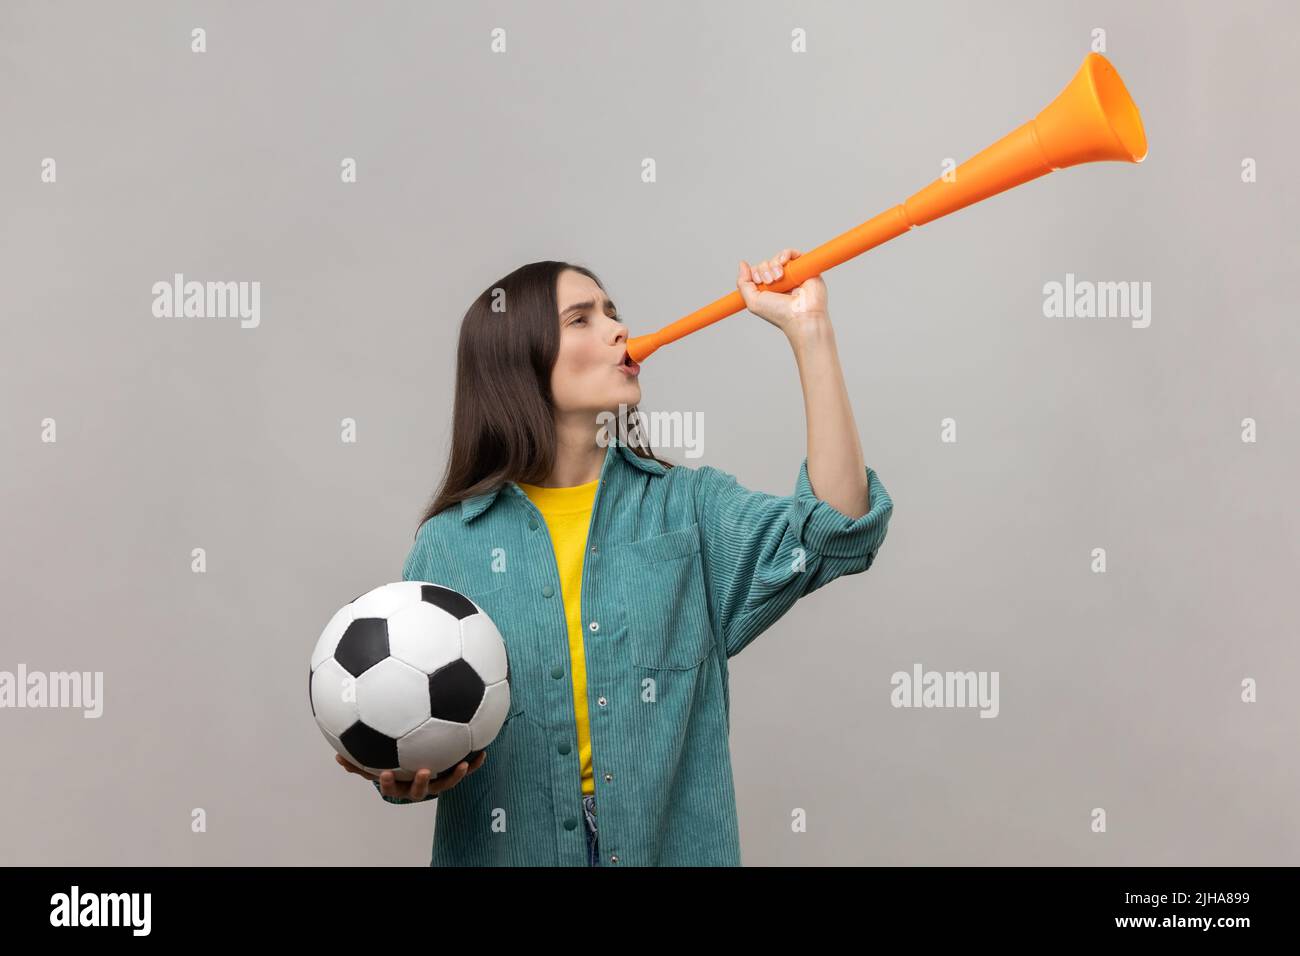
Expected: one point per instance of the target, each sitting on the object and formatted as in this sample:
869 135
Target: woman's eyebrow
584 306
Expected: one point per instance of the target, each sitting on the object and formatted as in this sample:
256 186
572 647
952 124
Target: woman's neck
578 457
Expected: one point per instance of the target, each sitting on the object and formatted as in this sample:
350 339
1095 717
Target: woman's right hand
424 782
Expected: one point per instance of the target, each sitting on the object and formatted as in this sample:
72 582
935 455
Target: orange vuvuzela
1093 119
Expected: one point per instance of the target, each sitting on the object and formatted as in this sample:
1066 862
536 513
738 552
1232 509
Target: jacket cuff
823 529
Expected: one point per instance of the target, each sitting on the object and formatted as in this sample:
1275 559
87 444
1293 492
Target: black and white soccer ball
408 676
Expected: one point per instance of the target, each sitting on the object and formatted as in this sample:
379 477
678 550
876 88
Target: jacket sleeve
762 552
416 568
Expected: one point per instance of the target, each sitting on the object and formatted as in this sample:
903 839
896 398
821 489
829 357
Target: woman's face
589 376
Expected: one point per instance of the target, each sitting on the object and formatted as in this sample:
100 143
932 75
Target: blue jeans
589 818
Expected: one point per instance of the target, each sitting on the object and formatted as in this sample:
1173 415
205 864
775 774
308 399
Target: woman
621 584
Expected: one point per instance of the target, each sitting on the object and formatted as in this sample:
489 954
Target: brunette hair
503 419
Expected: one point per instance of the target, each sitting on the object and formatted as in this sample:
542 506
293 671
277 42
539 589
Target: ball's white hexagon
435 744
483 648
490 716
329 638
336 709
386 600
424 636
393 697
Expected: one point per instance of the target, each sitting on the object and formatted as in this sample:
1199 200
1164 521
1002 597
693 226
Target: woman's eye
583 318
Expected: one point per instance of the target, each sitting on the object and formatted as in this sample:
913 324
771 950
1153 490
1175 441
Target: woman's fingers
771 270
776 265
420 785
457 775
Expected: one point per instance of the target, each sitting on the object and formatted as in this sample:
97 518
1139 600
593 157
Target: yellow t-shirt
567 512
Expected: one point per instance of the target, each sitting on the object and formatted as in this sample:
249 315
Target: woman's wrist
809 330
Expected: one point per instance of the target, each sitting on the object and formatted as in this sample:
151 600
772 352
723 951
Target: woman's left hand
806 300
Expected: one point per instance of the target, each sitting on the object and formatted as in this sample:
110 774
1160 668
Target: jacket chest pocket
494 600
661 588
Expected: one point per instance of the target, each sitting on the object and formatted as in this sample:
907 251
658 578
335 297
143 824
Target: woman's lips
629 368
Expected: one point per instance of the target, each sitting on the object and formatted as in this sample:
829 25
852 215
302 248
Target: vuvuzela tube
1093 119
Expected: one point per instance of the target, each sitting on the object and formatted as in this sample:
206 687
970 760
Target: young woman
621 584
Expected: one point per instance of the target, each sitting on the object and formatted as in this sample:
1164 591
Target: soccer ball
410 676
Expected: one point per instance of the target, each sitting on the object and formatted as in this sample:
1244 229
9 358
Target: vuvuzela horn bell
1093 119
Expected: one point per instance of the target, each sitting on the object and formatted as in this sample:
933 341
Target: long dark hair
503 420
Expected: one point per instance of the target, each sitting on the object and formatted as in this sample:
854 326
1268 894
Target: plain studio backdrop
1120 691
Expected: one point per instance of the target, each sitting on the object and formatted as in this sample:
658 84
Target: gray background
1119 690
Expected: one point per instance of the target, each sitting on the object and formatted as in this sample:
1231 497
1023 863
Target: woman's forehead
576 287
586 301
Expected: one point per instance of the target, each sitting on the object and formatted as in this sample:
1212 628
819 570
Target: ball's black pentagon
453 602
369 747
363 645
309 697
455 691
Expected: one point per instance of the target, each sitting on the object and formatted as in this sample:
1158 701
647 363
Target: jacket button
602 701
570 823
595 626
595 550
609 778
563 748
532 524
548 591
557 672
613 858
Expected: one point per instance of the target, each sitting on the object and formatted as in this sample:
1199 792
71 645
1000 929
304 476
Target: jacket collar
617 454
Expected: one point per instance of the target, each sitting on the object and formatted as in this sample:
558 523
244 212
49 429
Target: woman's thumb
745 282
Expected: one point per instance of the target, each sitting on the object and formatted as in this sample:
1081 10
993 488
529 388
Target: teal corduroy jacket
684 567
